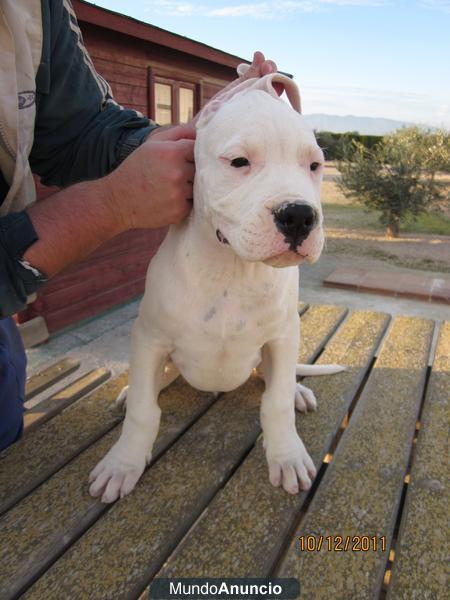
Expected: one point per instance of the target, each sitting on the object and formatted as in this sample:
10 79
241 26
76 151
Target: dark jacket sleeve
18 279
81 132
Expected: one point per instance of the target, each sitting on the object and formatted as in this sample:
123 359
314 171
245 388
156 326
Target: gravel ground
413 251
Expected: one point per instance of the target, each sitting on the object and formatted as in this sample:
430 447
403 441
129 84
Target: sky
378 58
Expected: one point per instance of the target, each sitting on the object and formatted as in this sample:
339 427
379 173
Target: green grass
428 223
353 216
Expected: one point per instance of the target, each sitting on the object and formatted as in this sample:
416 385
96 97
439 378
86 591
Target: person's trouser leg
12 382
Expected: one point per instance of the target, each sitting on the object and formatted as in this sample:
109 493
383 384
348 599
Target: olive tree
398 176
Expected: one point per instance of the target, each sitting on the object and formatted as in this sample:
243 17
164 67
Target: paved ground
99 342
312 290
104 341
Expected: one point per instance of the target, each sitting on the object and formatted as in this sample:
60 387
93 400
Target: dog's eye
240 161
314 166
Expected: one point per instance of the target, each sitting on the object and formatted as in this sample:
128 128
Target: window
163 103
186 105
173 101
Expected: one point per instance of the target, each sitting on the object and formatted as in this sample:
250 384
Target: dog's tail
308 370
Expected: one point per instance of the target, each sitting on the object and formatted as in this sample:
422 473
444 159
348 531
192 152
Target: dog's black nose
295 221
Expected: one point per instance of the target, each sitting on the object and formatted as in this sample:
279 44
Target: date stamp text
342 543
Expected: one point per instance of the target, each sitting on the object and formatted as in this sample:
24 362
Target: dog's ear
274 84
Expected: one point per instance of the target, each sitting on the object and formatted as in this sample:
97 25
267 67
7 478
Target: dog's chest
240 312
221 341
215 312
227 317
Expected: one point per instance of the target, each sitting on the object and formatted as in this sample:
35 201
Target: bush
338 146
398 175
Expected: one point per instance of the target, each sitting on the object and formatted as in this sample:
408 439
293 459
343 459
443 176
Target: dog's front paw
304 399
290 465
117 473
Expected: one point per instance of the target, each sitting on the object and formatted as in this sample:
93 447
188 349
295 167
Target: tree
398 176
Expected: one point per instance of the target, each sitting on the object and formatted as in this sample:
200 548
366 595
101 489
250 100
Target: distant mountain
363 125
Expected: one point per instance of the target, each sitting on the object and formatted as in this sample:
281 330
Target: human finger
175 133
268 66
189 171
186 148
254 69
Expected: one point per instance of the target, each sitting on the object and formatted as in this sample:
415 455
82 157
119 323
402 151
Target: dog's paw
304 399
117 473
290 466
120 402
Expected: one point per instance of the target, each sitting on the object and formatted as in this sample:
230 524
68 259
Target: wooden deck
374 525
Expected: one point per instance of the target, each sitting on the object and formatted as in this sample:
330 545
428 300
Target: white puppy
215 307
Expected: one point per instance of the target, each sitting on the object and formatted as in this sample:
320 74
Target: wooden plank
102 43
106 47
130 94
420 567
34 458
100 279
360 492
169 497
33 332
113 71
318 324
302 307
58 319
209 90
38 529
249 513
146 524
53 405
118 247
49 376
104 258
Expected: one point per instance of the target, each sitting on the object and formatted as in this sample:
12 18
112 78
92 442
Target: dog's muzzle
295 221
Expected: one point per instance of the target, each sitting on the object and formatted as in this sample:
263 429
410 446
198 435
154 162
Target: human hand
153 187
259 67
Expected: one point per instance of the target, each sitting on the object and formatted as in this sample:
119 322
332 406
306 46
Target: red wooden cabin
167 77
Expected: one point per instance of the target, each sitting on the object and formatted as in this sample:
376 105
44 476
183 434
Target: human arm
150 189
155 184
